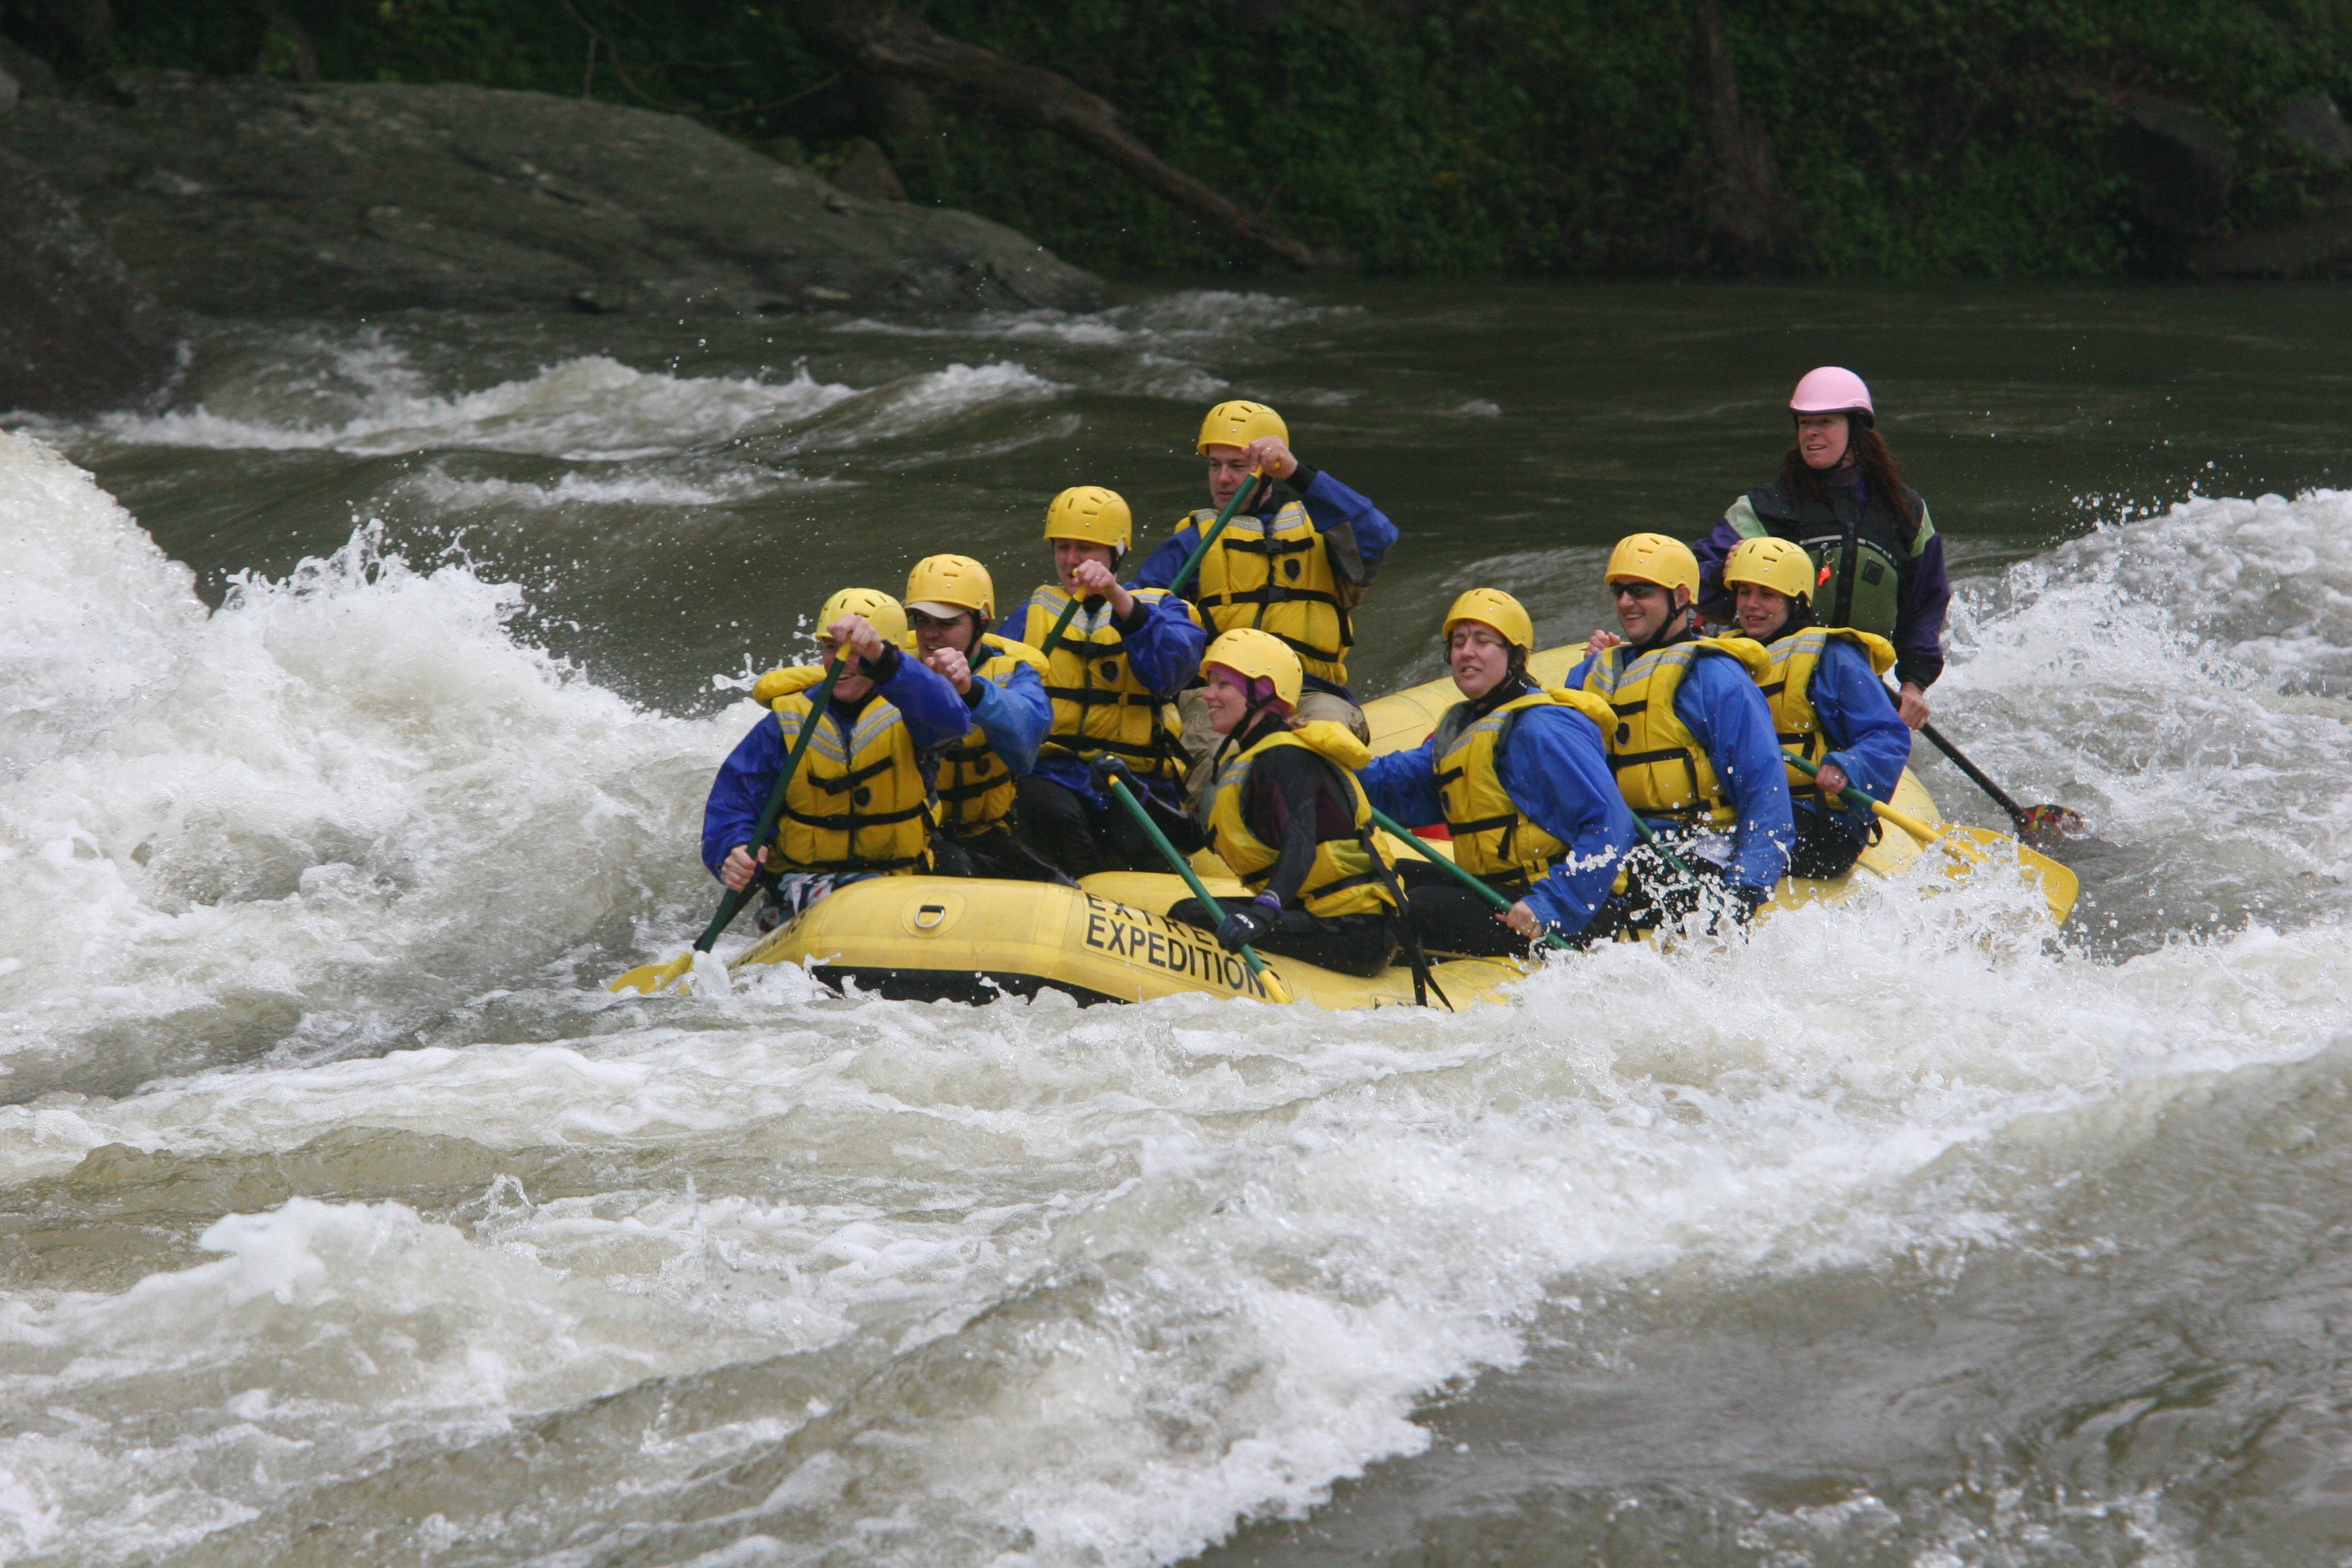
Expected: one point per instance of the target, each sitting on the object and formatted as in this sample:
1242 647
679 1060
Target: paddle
1183 573
1276 990
2046 825
648 978
1550 938
1201 551
1650 838
1953 838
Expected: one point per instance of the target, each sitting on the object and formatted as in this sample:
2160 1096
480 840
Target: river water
355 721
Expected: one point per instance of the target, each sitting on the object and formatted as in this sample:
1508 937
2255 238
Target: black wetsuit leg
1055 824
999 855
1458 922
1361 945
1825 845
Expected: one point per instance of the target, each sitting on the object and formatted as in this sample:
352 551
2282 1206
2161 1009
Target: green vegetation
1982 137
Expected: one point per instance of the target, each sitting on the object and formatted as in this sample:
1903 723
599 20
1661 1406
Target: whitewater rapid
348 1218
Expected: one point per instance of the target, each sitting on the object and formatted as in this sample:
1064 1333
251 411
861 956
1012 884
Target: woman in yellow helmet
1113 675
1294 561
951 606
1285 813
860 804
1520 778
1693 750
1829 703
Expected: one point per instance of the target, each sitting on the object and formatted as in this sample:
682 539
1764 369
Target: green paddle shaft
1653 840
1551 938
1054 638
1201 551
1184 575
732 904
1809 769
1181 866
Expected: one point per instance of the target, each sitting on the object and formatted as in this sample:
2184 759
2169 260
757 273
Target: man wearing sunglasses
1694 748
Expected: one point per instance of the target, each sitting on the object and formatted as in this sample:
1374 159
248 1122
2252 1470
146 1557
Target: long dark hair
1802 481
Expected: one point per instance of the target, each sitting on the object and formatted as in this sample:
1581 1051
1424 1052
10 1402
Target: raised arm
1164 642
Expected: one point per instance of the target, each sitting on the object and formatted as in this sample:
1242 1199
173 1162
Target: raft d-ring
928 913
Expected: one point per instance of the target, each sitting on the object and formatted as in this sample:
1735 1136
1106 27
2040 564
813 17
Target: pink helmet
1830 390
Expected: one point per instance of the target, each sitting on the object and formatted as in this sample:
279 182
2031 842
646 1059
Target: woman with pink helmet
1877 558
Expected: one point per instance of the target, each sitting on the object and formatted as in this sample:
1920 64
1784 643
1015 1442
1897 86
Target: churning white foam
590 409
1193 1261
621 485
354 772
2186 681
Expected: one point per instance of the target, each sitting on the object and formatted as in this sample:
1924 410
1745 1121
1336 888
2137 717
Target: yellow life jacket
1098 704
1661 768
864 806
1276 574
1493 839
975 787
1788 684
1344 880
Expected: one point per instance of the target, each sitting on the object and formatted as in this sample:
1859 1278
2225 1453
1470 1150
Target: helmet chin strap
1516 683
1669 630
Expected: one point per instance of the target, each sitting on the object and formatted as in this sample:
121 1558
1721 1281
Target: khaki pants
1201 741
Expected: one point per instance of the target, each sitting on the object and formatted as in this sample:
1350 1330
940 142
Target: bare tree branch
887 41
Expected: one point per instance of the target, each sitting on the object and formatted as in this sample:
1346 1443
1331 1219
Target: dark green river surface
355 719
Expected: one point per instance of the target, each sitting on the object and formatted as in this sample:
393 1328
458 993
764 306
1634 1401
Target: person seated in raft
1295 560
1877 558
951 603
1520 777
1112 677
1693 747
860 803
1828 705
1286 813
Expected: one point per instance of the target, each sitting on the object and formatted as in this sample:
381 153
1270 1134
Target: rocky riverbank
256 198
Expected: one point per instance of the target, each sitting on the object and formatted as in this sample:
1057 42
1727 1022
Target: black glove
1244 924
1746 902
1107 767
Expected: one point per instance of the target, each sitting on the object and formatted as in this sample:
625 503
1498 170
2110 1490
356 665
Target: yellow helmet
1655 558
1492 607
1237 424
1245 650
945 586
881 612
1092 515
1774 563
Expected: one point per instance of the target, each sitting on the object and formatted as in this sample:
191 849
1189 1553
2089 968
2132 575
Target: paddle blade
648 978
2051 827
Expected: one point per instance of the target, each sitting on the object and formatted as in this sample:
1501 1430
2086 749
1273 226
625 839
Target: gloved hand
1746 902
1246 923
1107 767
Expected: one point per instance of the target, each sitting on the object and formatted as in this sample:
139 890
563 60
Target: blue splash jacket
1555 767
1727 715
934 716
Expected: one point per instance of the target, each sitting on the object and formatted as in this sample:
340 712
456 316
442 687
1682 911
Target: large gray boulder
249 197
77 335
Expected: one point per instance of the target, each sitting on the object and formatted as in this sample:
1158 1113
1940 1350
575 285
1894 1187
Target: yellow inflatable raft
944 938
